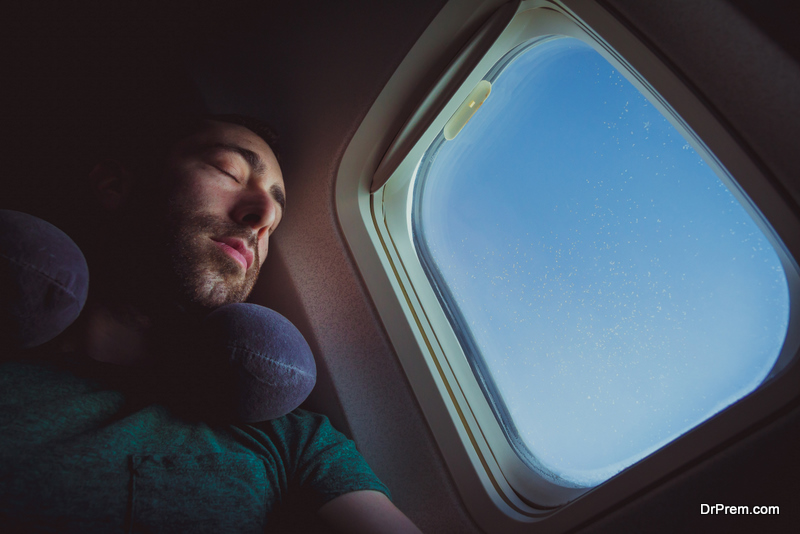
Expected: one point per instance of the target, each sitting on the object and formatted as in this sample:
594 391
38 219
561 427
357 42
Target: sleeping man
91 438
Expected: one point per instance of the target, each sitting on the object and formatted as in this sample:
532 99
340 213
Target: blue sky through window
618 292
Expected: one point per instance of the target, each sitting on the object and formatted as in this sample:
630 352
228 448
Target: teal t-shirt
82 449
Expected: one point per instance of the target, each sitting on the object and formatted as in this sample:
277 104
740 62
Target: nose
256 209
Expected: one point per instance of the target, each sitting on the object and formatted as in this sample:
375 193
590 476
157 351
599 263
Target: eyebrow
277 192
258 166
252 159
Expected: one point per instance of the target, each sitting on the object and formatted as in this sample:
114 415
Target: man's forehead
220 134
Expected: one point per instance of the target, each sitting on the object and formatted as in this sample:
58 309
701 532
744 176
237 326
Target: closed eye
235 179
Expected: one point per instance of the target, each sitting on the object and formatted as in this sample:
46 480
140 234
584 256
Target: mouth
236 249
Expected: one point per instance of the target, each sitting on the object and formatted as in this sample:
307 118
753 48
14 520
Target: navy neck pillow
256 365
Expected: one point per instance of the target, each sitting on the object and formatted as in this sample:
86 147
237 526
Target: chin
207 277
211 289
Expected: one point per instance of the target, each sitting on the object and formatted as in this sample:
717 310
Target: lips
236 249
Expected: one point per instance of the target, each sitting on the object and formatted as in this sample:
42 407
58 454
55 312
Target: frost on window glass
608 288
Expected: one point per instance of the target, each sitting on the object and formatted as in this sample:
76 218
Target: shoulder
320 458
300 418
301 429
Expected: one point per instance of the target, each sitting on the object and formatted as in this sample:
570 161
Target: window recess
587 281
609 292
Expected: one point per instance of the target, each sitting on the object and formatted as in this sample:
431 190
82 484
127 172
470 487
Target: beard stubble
205 276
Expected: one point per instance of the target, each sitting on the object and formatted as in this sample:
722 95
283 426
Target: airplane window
610 292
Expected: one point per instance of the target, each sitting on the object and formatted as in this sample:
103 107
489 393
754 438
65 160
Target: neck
120 337
126 335
134 314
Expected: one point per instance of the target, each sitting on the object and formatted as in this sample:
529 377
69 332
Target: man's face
226 197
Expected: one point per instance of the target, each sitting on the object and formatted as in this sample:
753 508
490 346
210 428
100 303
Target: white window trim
501 492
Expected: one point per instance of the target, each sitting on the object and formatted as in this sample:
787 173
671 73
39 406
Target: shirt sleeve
322 463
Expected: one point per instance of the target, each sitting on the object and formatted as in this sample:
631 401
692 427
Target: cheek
198 195
263 248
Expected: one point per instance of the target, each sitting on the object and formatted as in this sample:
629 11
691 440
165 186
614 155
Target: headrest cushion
264 362
44 280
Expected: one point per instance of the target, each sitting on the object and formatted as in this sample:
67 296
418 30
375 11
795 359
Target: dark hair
143 143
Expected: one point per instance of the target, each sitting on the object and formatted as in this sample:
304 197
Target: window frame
501 491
